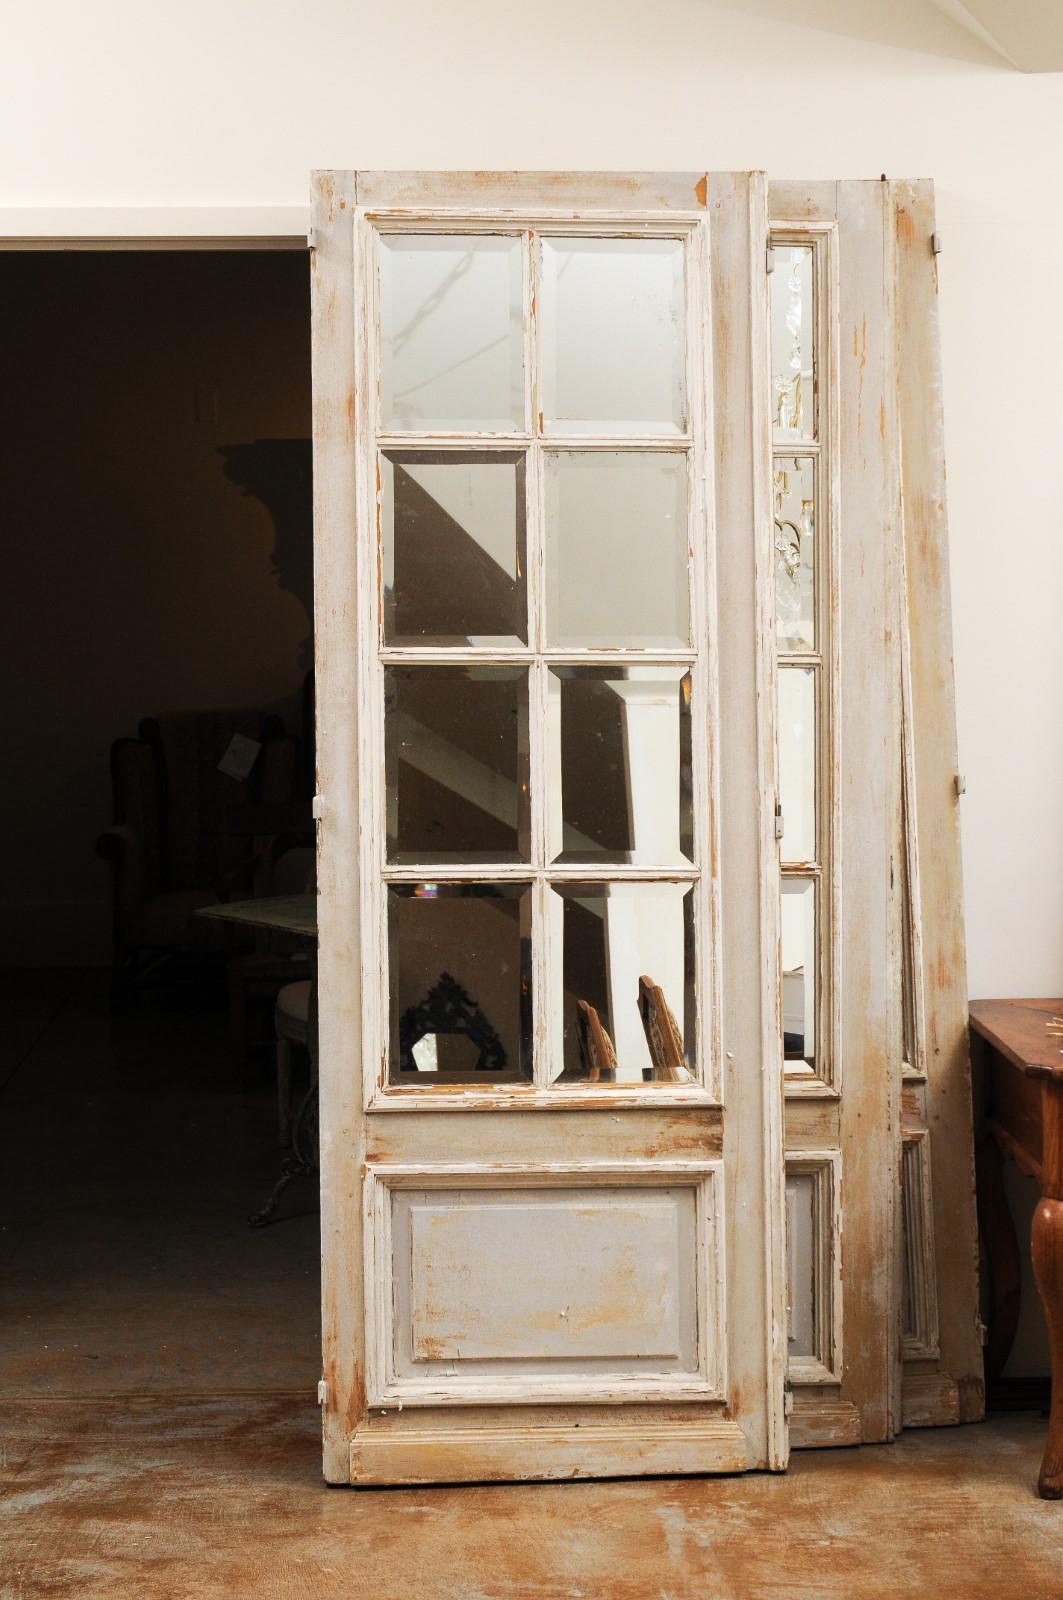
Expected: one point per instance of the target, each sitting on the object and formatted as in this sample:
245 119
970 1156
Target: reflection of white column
644 935
651 723
555 825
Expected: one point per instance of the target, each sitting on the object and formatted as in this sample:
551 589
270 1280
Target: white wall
231 102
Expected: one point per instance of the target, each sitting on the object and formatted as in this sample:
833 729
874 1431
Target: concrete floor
158 1438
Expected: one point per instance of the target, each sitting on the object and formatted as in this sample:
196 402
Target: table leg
1047 1244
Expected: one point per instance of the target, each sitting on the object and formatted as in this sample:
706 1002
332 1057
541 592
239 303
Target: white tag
240 757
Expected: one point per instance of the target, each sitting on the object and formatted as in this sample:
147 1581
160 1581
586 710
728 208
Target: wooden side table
1018 1047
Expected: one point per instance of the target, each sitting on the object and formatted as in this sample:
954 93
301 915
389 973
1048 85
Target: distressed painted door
551 1156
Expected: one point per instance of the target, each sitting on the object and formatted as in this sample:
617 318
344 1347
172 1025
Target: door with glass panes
551 1130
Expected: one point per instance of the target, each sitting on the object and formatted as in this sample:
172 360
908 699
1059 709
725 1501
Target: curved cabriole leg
1047 1242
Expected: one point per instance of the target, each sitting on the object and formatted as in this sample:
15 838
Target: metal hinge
311 238
769 259
935 243
779 822
317 807
787 1399
961 783
322 1392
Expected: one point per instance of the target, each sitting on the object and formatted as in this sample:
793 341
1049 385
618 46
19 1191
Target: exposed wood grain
822 1421
1022 1031
931 1400
470 1455
750 925
935 807
336 582
574 192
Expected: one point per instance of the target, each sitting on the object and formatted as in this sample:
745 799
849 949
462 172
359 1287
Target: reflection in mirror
618 758
795 612
613 336
792 323
456 763
797 762
452 533
616 549
623 956
909 1027
460 983
451 333
801 1273
799 969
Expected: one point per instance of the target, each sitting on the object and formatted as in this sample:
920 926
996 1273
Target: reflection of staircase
450 585
453 775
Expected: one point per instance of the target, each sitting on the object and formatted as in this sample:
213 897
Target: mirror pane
619 764
792 354
801 1258
456 763
623 959
799 967
451 333
795 599
616 549
613 339
460 983
453 547
797 762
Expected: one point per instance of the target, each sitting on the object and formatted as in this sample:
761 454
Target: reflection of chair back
195 798
662 1034
596 1053
171 847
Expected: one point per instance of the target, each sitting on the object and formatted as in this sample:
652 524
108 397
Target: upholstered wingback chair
169 846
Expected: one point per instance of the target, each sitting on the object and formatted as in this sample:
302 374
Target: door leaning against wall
551 1139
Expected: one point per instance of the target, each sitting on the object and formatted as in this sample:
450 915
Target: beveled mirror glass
619 764
451 333
794 528
453 547
792 343
613 342
799 965
616 549
456 763
624 966
460 963
797 762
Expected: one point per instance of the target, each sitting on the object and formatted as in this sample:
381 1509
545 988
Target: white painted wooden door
551 1155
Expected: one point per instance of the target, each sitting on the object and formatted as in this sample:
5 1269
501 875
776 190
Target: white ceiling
1027 33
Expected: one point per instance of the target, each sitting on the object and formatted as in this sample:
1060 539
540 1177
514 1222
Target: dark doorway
157 564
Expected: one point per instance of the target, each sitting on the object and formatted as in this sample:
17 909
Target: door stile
337 410
942 1374
746 665
842 1122
870 770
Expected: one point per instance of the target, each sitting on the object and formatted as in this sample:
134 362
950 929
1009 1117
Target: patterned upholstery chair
170 848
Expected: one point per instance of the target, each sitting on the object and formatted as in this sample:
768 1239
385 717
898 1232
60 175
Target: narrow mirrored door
534 1082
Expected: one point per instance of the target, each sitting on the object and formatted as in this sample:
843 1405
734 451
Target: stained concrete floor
158 1439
